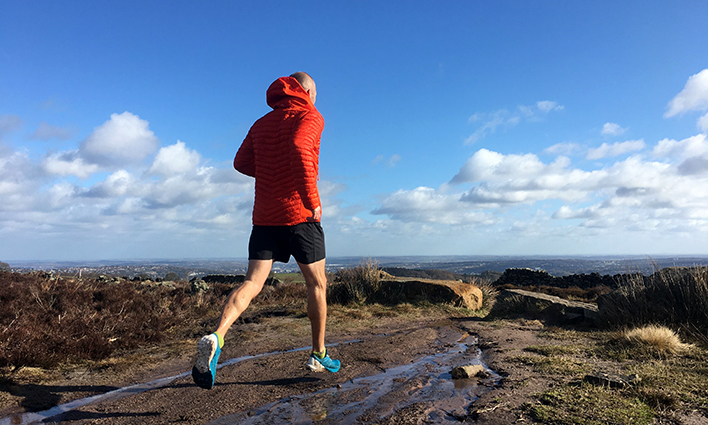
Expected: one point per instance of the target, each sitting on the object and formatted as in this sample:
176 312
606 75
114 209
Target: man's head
307 83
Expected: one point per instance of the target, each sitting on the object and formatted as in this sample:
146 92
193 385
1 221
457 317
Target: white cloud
18 177
537 111
390 162
493 166
693 97
703 123
122 140
425 204
175 159
118 184
566 149
694 146
504 118
47 132
548 106
491 122
631 195
616 149
68 163
612 129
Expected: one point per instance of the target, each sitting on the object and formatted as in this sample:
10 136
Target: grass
674 296
657 339
674 376
588 405
355 285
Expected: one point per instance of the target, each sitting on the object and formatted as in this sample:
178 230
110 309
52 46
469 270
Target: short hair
304 79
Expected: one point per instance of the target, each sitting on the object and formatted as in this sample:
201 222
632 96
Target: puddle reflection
368 399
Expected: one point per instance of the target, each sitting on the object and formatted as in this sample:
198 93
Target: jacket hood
286 92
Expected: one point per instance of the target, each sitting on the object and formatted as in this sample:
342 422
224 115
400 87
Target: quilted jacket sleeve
305 158
244 162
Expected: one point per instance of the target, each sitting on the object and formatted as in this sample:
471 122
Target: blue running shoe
204 370
317 364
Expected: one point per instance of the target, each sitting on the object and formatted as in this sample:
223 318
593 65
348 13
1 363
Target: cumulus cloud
175 159
425 204
612 129
47 131
18 176
118 184
694 146
634 194
703 123
68 163
693 97
122 140
615 149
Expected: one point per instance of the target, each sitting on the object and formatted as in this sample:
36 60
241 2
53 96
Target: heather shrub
46 321
673 296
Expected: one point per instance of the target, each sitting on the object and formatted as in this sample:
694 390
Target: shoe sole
205 352
315 366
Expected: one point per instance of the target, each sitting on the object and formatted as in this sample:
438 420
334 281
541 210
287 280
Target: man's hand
316 215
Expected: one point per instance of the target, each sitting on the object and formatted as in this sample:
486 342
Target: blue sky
460 127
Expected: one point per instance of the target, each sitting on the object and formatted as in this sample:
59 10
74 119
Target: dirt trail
243 389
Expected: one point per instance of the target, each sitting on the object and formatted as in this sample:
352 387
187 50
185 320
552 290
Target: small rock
612 381
469 371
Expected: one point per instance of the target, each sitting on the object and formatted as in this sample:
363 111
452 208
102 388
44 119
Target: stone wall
529 277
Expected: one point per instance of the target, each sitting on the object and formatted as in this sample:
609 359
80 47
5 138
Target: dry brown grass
656 338
677 297
355 285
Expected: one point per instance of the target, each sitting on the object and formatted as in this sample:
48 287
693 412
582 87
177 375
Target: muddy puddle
424 385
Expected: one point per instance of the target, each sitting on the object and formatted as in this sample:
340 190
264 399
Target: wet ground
402 376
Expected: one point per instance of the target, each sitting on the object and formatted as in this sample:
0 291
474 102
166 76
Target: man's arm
305 160
245 162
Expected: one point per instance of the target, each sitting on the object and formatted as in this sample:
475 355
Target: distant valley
468 265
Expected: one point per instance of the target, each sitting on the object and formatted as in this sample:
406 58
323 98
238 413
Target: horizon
349 258
503 128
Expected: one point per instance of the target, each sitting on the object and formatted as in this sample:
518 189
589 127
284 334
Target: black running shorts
304 241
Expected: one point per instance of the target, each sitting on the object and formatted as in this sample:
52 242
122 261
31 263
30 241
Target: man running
281 151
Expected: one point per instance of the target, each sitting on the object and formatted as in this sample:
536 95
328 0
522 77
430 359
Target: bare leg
241 297
316 281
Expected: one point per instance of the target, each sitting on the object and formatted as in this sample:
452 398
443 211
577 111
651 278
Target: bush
673 296
356 284
46 321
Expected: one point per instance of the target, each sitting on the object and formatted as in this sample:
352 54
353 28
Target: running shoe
204 370
317 364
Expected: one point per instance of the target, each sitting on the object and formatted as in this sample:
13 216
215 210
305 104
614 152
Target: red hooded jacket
282 151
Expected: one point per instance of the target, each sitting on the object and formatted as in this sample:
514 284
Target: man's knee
314 274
